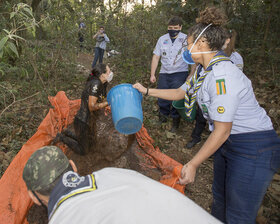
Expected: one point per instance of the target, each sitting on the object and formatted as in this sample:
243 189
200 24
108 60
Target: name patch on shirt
221 86
165 42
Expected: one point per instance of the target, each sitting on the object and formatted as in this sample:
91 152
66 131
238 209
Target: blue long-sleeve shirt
102 41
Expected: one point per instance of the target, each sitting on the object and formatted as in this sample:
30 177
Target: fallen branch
16 101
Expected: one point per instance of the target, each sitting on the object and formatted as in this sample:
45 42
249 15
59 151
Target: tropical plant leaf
26 9
13 47
3 42
12 15
6 31
18 37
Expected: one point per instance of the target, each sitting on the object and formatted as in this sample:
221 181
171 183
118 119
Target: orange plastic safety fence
170 167
14 200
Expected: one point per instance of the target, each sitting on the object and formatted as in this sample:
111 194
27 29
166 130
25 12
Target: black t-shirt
95 88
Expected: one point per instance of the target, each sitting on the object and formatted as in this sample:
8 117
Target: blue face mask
187 55
173 33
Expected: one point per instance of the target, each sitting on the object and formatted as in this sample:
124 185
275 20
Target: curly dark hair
215 34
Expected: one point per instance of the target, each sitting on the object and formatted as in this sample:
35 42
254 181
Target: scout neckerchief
196 81
180 50
70 185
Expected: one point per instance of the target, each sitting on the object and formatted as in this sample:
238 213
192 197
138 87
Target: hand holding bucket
125 102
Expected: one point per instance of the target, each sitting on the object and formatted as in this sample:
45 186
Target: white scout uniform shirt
226 95
128 197
171 52
237 59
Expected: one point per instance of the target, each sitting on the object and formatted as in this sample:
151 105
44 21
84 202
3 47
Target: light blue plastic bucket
125 102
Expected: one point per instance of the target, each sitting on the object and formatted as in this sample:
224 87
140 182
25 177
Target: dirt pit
112 150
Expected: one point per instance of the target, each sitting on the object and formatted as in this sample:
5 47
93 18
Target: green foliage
20 19
39 45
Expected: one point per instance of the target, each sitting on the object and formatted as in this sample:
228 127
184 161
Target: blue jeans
98 54
243 169
170 81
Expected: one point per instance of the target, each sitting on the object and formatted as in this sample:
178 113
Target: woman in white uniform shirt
230 51
245 145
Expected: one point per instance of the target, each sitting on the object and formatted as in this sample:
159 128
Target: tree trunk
267 27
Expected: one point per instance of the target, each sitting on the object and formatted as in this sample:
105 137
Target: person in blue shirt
246 148
82 26
100 46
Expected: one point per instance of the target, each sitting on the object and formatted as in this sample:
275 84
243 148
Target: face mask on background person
173 33
187 55
110 77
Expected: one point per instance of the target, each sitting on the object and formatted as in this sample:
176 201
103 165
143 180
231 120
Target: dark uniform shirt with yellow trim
95 88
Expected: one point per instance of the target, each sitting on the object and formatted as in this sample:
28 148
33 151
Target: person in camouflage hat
43 167
42 171
110 195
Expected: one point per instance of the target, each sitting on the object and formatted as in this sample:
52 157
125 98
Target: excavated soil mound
112 149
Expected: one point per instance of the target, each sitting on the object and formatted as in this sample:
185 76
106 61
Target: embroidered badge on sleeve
221 110
221 86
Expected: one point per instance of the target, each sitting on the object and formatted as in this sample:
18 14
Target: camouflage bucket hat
43 167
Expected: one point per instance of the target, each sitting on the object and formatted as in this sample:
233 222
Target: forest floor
169 143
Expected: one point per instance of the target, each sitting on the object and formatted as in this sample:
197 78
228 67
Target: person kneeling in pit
93 98
107 196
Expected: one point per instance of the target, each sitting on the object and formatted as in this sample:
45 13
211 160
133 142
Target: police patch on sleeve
221 110
221 86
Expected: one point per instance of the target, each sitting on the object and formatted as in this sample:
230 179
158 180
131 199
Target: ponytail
97 71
